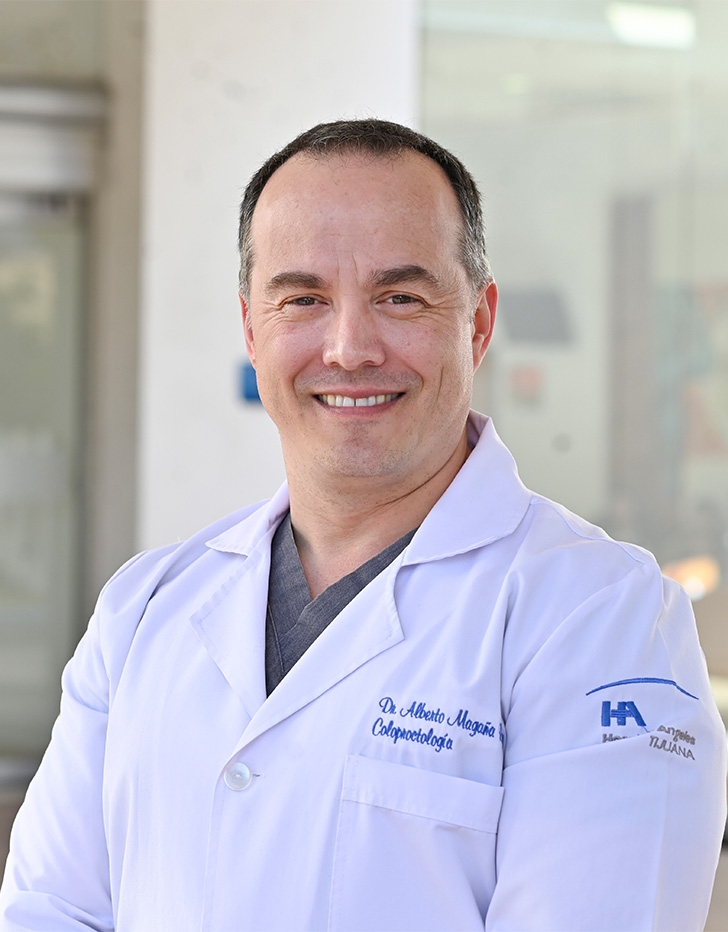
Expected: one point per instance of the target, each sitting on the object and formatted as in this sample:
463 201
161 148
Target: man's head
363 319
381 139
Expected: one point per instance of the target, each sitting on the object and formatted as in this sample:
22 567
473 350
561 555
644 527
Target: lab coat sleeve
57 872
612 826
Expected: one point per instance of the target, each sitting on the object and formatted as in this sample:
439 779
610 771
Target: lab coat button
238 776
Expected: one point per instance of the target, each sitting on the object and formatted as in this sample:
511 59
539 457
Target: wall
54 46
226 84
51 41
112 339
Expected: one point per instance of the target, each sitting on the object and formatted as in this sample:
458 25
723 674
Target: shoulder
554 540
125 598
570 584
592 623
146 571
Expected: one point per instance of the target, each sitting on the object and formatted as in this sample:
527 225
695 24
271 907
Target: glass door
41 364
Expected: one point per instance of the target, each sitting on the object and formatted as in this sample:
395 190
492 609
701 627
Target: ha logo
623 711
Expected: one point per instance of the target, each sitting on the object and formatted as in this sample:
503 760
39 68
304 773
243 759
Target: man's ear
247 330
484 321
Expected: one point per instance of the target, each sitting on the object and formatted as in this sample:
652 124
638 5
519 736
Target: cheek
416 343
283 352
437 354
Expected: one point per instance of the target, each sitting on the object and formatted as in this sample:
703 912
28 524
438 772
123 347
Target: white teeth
346 401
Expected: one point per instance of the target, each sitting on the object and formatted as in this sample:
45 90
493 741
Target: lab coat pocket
415 849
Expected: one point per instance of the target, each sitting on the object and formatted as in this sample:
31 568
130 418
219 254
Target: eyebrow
404 274
385 278
294 280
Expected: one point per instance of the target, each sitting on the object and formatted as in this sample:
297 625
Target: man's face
361 322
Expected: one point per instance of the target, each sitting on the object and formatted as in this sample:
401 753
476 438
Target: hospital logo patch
620 714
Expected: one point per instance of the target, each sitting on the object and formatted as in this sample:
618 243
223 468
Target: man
406 693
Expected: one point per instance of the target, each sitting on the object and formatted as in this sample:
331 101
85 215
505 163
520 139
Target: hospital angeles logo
619 715
623 711
676 741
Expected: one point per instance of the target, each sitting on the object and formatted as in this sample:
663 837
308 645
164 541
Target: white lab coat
443 757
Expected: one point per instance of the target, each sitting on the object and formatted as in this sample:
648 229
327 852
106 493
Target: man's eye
303 301
401 299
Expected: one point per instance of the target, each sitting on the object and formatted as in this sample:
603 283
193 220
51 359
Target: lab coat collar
243 537
485 502
238 649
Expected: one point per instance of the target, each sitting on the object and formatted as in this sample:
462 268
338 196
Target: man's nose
353 338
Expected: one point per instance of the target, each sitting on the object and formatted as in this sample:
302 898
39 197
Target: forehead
357 195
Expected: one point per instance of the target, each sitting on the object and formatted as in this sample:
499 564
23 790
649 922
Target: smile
346 401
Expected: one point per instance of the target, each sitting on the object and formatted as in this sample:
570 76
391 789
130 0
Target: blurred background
598 133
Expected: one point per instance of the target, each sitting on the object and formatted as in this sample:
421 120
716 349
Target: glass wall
598 132
48 155
41 353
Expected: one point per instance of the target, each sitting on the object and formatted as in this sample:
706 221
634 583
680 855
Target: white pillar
227 83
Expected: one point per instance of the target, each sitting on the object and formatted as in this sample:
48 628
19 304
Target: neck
339 524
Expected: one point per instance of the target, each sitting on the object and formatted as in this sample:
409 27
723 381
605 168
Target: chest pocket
414 849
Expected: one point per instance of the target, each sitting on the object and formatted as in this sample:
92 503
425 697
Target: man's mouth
346 401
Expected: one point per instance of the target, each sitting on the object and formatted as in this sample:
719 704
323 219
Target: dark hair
377 138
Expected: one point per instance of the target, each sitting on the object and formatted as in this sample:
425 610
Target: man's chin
356 463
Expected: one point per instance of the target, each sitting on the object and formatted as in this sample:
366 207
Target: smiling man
365 328
406 693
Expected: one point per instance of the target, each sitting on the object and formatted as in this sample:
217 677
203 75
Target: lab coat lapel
231 625
231 622
366 627
488 500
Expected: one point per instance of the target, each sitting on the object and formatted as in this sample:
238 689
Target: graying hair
377 138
